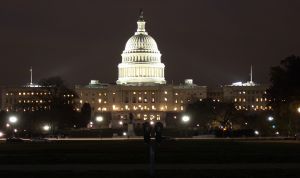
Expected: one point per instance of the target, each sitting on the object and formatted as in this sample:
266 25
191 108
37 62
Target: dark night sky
212 41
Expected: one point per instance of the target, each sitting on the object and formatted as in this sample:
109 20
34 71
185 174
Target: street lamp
46 128
185 118
99 118
13 120
298 109
270 118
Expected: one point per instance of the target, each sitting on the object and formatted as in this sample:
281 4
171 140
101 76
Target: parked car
14 140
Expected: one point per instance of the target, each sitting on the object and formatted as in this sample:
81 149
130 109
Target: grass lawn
159 174
136 151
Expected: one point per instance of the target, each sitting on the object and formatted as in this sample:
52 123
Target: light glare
270 118
13 119
99 118
46 127
185 118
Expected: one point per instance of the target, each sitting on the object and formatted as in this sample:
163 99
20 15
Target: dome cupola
141 59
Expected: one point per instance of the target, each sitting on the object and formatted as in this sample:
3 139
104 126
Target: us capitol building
141 91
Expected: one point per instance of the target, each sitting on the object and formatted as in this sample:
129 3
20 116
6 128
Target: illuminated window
158 117
166 92
153 100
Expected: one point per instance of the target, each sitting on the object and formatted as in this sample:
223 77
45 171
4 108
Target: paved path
131 167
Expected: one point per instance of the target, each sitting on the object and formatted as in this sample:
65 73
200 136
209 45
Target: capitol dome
141 43
141 59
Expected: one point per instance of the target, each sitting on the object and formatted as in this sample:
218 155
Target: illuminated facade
25 98
245 96
145 103
141 59
140 91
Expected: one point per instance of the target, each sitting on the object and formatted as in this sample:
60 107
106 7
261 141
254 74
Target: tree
62 112
210 115
284 93
86 115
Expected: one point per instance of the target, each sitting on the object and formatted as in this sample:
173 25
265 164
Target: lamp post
185 119
297 121
46 128
12 120
99 119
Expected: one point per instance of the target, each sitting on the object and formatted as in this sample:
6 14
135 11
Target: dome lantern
141 24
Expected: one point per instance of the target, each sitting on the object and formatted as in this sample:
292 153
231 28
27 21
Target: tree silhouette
86 115
62 107
284 93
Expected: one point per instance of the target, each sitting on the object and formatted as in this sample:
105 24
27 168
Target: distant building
245 96
28 98
25 98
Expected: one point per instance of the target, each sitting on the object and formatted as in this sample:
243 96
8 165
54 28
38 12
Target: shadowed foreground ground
129 152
